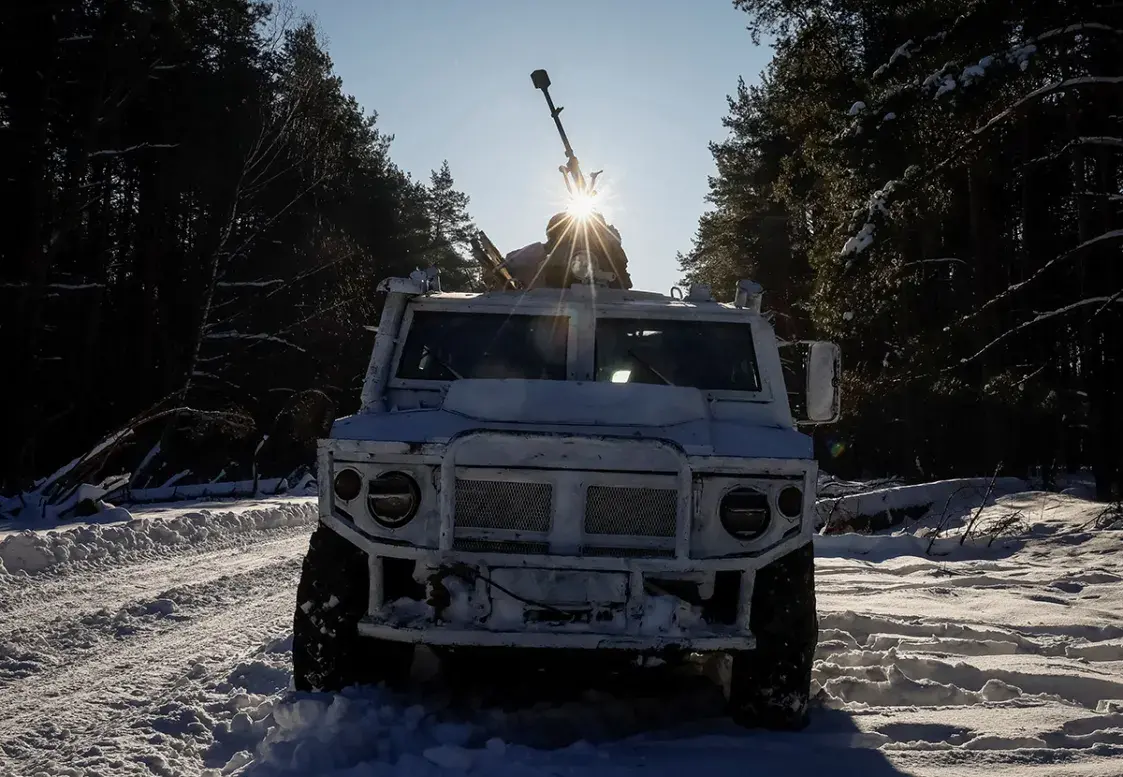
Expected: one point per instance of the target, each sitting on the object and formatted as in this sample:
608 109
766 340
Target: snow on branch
248 284
1116 234
1048 89
201 374
902 51
1079 27
908 48
1107 195
1042 317
45 484
1095 140
877 205
261 337
56 286
859 242
945 81
950 77
941 260
128 149
1100 140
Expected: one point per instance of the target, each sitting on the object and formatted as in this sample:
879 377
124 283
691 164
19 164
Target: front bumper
557 602
632 552
459 637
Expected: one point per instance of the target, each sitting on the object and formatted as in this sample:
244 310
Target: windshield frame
693 314
461 307
581 344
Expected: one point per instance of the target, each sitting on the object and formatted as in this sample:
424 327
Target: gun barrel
542 81
555 114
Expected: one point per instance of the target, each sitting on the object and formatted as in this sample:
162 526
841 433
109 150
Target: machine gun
580 244
571 171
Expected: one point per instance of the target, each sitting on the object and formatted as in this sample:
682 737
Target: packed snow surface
129 654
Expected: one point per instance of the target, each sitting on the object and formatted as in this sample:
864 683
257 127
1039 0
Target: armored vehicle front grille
472 545
631 511
596 550
495 504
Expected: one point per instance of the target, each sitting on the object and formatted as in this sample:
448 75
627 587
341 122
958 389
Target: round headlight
348 485
393 499
790 502
744 513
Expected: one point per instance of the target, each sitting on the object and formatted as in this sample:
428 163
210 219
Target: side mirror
824 396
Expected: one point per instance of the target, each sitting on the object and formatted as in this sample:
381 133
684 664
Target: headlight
348 485
744 513
393 499
790 502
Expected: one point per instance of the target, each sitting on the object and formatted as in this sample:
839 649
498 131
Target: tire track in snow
103 708
1035 668
77 617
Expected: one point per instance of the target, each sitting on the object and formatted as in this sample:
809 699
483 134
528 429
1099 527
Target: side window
445 345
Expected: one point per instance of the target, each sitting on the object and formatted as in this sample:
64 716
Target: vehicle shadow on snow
663 721
831 744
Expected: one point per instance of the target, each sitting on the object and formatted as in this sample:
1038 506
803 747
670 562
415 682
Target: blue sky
643 84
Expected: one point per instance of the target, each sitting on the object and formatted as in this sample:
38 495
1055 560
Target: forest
933 184
936 185
194 208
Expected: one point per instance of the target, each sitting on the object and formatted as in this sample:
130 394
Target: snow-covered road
161 646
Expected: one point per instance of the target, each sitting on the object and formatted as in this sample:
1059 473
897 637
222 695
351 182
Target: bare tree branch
1038 319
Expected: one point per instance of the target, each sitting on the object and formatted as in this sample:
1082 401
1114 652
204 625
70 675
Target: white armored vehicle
570 468
565 465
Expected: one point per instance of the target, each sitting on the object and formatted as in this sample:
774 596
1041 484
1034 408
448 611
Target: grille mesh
494 504
600 551
631 511
471 545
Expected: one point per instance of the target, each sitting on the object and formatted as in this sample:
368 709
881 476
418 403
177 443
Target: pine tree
197 202
451 230
949 172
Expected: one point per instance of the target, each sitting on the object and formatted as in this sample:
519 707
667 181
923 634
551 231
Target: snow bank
170 493
88 498
887 507
122 536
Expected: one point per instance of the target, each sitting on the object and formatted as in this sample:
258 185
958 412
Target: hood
673 414
575 402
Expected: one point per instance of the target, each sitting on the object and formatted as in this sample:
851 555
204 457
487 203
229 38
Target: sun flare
582 205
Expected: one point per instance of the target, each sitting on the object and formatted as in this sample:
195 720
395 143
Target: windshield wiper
649 368
429 351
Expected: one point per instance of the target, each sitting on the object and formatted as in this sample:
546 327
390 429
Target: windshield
450 346
711 355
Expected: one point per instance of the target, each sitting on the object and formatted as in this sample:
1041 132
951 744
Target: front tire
328 654
770 687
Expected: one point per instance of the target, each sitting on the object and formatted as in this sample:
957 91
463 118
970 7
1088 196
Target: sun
582 205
